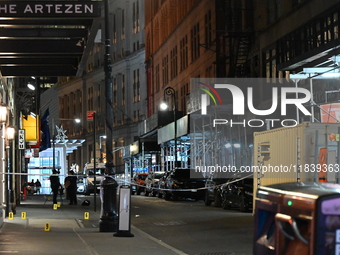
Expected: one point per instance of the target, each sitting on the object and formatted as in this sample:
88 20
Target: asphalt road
193 228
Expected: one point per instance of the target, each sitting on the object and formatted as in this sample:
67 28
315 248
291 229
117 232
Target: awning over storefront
47 38
167 133
70 145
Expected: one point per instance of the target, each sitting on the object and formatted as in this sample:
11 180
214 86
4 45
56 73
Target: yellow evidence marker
86 215
23 215
10 216
47 227
55 206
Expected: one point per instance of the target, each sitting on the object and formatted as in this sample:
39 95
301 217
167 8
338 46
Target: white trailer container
292 154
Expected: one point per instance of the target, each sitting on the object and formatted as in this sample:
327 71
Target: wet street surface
192 227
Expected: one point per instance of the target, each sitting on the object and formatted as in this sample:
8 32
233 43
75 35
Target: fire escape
236 33
234 36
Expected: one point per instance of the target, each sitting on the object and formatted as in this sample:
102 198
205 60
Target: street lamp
3 113
3 118
31 86
10 133
169 91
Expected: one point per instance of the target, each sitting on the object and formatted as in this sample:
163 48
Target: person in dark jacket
37 186
55 184
71 187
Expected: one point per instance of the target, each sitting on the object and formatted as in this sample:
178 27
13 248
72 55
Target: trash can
297 218
108 196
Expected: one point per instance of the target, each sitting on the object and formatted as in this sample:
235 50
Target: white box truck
307 152
89 174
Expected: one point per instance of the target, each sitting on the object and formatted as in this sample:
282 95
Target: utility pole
108 92
109 216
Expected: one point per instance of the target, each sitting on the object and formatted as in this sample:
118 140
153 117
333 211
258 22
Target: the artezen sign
49 9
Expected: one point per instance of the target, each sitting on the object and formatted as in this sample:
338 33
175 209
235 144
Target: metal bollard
108 196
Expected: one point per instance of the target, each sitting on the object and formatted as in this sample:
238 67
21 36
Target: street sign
22 139
90 115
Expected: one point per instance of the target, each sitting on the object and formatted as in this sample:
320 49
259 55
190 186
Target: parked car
238 194
138 183
213 191
151 183
179 184
80 186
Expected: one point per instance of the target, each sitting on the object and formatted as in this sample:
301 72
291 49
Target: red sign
90 115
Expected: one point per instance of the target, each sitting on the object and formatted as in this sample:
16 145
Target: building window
90 99
135 18
123 26
273 10
173 61
80 103
195 42
183 98
114 92
157 79
114 30
136 115
123 90
270 64
165 70
136 86
134 25
90 107
208 30
184 53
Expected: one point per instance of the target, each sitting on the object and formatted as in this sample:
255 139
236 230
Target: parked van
89 175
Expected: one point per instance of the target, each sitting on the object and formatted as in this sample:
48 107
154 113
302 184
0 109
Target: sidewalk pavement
69 232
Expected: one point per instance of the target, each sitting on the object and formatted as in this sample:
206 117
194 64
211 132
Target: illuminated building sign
41 9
